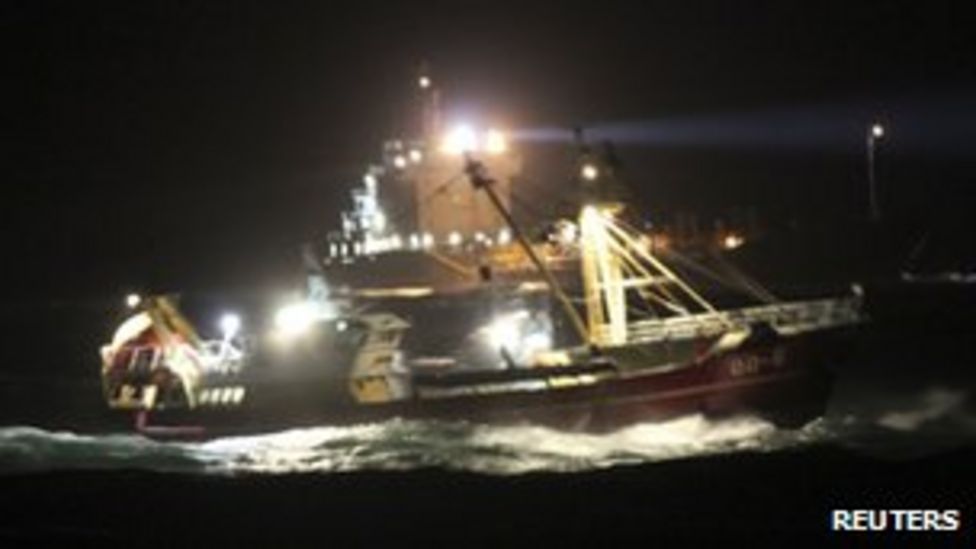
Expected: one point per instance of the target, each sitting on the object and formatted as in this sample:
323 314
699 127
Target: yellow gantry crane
615 260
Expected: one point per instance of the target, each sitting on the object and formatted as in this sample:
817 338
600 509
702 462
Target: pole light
876 132
589 172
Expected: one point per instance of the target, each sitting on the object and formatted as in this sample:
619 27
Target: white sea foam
488 449
458 446
954 277
396 445
935 403
31 449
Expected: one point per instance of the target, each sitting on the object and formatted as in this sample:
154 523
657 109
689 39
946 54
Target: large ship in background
430 300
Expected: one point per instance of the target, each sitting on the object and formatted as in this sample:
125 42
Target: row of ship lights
460 140
567 234
416 241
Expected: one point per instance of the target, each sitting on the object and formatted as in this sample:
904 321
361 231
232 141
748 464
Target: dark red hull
784 379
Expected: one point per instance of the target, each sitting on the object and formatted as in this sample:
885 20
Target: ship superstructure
413 201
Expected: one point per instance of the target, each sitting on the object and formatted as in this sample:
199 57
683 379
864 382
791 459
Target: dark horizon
157 145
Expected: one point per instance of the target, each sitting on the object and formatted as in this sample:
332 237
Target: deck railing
785 318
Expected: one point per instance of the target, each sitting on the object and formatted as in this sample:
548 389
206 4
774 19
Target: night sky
176 144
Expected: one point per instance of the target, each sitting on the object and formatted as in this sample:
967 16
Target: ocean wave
400 445
934 404
27 449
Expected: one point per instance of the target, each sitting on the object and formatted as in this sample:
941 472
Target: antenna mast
476 173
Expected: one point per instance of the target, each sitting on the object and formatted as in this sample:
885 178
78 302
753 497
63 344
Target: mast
615 260
603 279
601 264
476 173
431 103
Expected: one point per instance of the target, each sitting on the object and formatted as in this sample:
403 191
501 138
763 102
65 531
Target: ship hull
785 379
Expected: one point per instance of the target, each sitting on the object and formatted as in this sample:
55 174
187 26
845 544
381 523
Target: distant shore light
732 241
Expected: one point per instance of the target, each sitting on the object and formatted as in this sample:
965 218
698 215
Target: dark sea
900 433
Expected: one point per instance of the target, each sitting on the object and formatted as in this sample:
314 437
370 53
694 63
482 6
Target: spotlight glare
460 140
495 142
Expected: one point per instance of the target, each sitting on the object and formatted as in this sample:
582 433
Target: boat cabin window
143 360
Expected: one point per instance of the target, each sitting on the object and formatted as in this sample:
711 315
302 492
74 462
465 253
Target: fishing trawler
433 302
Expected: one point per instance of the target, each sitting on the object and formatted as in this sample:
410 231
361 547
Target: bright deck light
423 82
504 332
519 333
379 220
133 300
230 324
460 140
568 232
589 172
877 131
400 161
295 319
535 342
